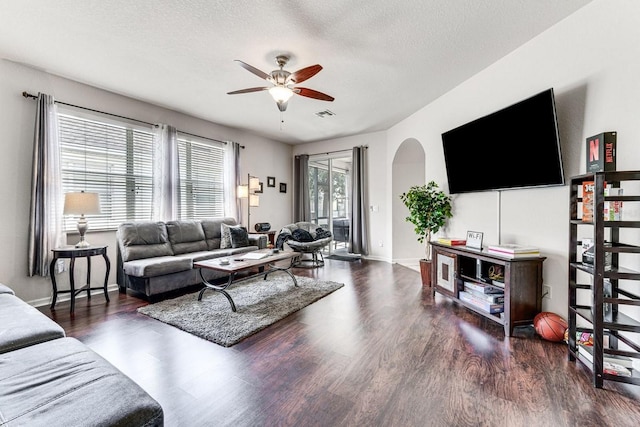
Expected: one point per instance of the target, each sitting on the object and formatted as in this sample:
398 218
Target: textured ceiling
382 59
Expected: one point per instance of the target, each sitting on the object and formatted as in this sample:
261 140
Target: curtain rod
336 151
28 95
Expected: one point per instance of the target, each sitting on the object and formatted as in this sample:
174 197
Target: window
201 191
109 158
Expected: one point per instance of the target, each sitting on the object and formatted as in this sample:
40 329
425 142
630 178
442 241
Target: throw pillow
301 235
225 235
321 233
239 237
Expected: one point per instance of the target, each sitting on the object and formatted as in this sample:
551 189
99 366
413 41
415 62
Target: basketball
550 326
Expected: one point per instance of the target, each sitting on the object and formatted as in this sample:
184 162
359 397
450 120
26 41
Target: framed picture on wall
259 190
271 181
283 187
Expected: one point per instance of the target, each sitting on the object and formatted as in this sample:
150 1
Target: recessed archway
408 169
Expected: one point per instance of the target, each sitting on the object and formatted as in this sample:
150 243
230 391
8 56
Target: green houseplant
429 209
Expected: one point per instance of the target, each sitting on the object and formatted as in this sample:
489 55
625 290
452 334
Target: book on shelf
513 251
492 298
483 288
615 369
587 201
612 209
483 305
587 352
452 241
601 152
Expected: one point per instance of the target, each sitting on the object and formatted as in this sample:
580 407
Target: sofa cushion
143 240
212 230
186 236
157 266
23 325
63 382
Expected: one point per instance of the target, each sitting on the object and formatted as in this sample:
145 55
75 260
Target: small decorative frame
259 190
445 273
283 187
474 239
271 181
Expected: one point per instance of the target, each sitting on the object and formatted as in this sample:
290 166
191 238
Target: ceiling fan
283 82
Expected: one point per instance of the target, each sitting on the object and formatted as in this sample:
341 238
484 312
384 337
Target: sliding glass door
329 191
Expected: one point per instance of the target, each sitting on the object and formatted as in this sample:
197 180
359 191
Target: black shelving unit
587 300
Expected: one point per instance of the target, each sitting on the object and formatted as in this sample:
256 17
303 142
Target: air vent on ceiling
325 113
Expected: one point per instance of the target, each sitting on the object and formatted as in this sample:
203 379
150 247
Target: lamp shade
254 200
243 191
81 203
254 183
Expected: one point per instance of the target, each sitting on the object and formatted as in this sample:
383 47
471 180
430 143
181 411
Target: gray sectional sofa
157 257
48 379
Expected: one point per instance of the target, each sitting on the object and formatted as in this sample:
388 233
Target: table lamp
82 204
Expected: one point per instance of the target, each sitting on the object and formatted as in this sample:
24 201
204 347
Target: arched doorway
408 169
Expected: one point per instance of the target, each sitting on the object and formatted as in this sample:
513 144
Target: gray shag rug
259 303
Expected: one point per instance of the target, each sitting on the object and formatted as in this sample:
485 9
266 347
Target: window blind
112 160
201 167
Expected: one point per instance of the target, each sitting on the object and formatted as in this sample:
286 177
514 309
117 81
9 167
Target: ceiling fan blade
310 93
305 73
251 89
253 69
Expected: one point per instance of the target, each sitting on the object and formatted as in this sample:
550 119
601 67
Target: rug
259 303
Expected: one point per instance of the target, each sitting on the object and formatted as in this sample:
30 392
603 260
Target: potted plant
429 209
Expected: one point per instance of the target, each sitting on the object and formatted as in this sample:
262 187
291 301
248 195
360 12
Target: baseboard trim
40 302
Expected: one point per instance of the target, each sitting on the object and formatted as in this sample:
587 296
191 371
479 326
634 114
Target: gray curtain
45 216
166 175
359 236
236 178
301 201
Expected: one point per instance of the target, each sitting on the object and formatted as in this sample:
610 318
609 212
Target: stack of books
487 298
514 251
452 241
613 364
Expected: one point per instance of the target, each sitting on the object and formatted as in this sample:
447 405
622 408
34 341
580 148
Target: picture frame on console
474 239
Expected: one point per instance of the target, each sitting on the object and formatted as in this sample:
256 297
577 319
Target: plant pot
425 272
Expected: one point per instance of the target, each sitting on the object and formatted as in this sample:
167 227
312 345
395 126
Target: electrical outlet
546 291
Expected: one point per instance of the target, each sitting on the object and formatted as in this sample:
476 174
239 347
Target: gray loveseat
157 257
48 379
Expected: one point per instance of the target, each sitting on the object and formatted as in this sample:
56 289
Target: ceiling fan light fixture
280 94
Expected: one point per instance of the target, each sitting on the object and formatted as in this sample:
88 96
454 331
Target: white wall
261 157
591 59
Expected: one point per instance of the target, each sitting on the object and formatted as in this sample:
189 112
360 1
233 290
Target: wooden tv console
453 265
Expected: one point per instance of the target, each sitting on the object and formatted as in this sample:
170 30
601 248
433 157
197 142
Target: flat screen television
516 147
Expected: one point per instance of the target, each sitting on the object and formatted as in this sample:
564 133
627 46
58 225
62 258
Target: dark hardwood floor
380 351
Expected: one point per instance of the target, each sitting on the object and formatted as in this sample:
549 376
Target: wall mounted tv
516 147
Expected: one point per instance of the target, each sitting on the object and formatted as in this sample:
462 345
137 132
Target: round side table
71 253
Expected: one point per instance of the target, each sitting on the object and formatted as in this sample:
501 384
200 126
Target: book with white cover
255 255
510 248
